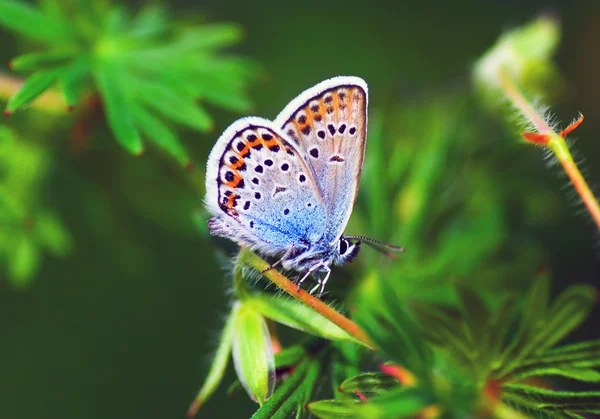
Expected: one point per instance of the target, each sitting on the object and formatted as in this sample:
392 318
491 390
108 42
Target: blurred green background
125 325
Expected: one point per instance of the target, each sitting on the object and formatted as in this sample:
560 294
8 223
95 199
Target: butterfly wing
260 191
328 125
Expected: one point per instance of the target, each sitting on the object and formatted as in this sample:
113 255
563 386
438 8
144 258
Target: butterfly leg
311 270
274 265
321 282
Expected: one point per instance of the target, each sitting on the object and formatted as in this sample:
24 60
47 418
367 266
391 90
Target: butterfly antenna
379 246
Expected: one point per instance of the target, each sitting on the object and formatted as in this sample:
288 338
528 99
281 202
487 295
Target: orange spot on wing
235 182
235 166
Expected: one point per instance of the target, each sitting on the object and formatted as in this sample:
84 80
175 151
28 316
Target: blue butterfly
287 187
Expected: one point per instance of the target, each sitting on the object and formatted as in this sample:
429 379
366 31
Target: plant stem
319 306
50 101
555 142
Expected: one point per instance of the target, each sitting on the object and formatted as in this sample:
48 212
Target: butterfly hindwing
328 124
263 191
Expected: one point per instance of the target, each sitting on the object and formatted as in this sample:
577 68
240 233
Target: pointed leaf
289 356
218 364
168 102
334 409
298 316
499 330
393 330
117 108
369 384
29 21
346 363
293 393
579 374
72 80
40 60
159 133
33 87
52 234
24 261
537 398
214 35
444 330
253 354
476 316
574 353
567 312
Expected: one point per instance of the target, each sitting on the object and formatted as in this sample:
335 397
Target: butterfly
287 187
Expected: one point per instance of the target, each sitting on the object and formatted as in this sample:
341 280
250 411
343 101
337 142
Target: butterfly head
346 250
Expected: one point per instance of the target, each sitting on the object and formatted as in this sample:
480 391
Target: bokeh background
125 325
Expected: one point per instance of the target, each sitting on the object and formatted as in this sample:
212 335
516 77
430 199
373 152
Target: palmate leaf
130 60
567 312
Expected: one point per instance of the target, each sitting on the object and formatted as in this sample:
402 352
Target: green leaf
298 316
293 393
289 356
72 79
159 133
253 354
24 261
172 105
393 330
477 318
444 330
498 332
150 21
333 409
219 361
40 60
567 312
33 87
580 374
30 22
214 35
346 363
534 318
574 353
51 233
369 384
537 398
118 108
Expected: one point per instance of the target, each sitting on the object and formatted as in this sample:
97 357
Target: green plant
142 70
446 345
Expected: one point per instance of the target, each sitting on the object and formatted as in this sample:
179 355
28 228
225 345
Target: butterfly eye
343 246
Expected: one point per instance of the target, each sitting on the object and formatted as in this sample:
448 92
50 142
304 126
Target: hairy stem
554 141
319 306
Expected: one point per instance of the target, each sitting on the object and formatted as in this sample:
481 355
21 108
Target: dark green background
96 336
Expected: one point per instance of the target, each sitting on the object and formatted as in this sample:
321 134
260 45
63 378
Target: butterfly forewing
327 124
265 193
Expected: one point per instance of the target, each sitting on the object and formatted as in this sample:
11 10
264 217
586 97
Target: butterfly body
287 187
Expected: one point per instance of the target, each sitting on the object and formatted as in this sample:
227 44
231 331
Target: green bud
253 354
523 54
